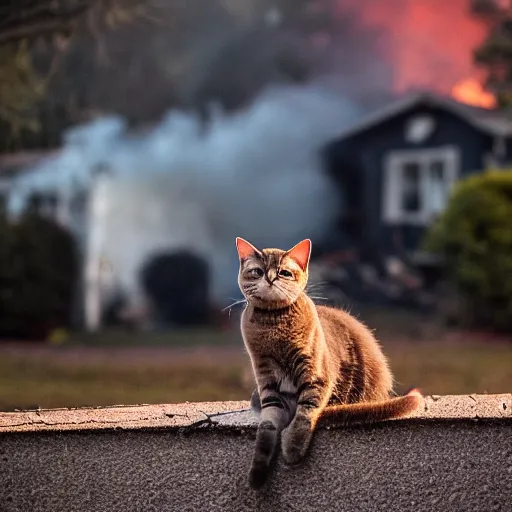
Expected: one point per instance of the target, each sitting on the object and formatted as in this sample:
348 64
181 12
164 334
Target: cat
310 362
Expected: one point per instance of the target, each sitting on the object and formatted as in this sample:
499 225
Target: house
135 203
398 165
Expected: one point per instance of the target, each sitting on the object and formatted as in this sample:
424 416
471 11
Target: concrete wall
456 455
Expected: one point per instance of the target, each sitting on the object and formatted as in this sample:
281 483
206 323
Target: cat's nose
271 276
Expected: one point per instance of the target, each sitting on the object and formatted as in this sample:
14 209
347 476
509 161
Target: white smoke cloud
255 174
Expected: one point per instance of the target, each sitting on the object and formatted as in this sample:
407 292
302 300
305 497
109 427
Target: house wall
365 153
4 192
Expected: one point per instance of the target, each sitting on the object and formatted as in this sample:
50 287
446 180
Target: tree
22 88
25 27
495 53
20 91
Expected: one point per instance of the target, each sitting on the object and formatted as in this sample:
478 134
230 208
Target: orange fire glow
430 44
470 91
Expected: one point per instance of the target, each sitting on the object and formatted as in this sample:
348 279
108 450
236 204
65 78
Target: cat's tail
372 412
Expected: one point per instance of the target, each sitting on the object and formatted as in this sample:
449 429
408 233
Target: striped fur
311 363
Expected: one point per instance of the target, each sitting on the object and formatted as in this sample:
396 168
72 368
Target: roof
13 163
492 122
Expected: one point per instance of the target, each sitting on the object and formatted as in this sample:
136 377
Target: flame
470 91
429 44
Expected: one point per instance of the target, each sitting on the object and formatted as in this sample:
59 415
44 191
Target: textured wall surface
455 456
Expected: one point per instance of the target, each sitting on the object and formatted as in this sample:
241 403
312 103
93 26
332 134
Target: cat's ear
301 253
245 249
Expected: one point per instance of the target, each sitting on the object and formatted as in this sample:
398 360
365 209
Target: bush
474 236
38 274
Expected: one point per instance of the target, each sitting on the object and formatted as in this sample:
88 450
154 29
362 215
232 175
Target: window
417 184
410 197
44 204
419 128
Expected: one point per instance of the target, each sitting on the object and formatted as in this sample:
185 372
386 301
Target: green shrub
38 274
474 236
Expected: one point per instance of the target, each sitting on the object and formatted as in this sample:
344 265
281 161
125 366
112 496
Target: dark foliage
494 54
474 236
38 274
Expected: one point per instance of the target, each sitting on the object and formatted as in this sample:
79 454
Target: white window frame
392 212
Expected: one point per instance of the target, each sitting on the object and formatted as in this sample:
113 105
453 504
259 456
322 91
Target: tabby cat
310 362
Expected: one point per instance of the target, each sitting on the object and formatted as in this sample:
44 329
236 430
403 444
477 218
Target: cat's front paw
293 454
295 440
257 477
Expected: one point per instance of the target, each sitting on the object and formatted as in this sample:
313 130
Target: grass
452 367
26 383
77 376
119 337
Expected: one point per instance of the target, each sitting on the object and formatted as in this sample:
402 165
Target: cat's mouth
270 302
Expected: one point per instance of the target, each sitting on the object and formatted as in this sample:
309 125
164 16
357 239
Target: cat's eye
255 272
285 273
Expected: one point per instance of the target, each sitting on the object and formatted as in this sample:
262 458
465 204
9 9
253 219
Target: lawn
69 376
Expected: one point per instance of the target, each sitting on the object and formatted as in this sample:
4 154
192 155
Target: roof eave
428 99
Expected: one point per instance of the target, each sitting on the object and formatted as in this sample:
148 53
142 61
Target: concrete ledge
456 454
224 414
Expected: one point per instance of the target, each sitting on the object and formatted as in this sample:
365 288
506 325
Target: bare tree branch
33 19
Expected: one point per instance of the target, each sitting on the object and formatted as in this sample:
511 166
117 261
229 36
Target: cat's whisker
287 295
242 301
317 285
315 297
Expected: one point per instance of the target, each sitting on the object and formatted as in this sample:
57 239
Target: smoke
255 173
188 53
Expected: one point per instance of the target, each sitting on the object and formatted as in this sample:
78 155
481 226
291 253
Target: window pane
437 170
437 187
411 199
